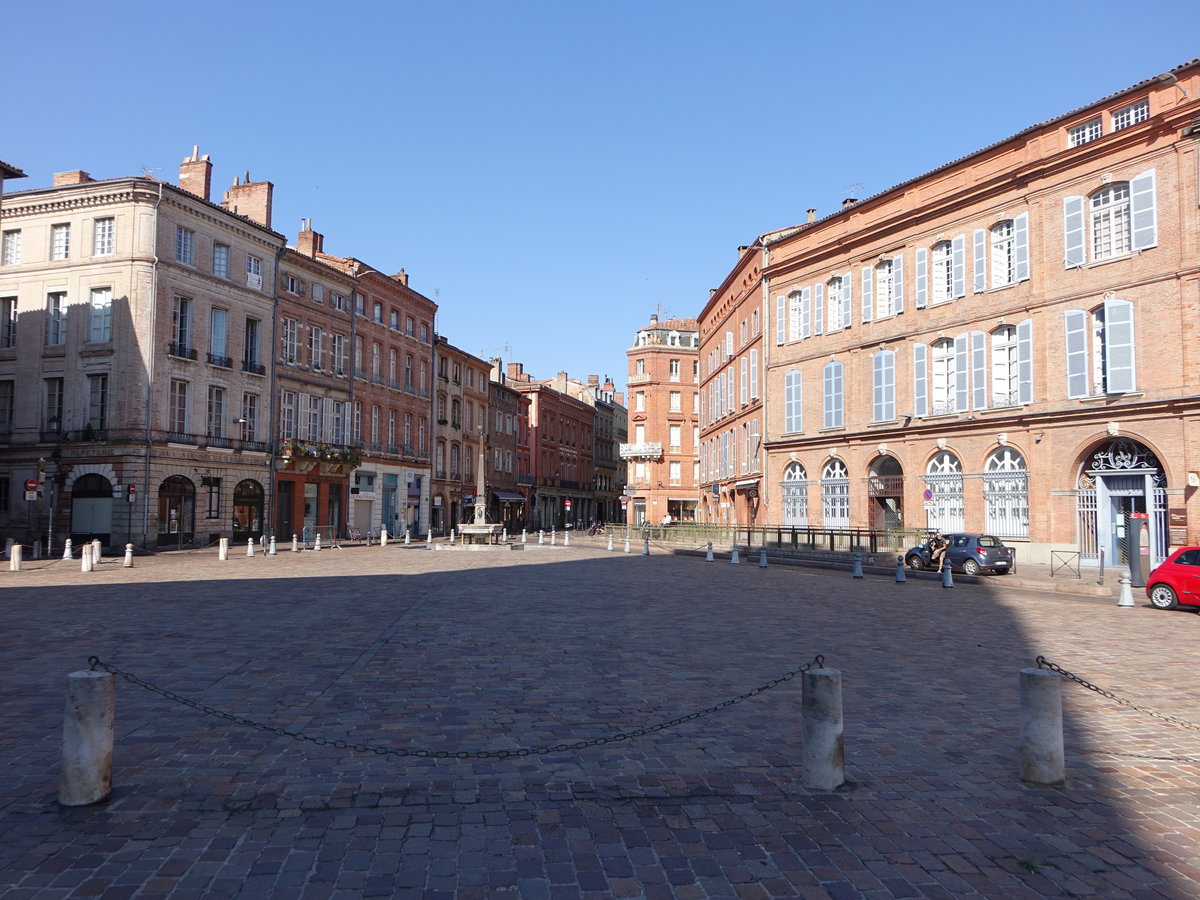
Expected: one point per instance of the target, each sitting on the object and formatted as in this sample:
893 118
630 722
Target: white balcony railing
646 449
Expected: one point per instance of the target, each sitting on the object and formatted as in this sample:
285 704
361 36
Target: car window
960 540
1189 557
986 540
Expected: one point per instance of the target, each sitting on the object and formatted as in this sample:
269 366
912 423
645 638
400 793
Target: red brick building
460 425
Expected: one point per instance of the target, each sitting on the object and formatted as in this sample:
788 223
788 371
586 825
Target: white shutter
1025 362
754 374
793 316
1077 355
980 269
302 417
780 319
958 265
922 277
920 380
868 298
1021 246
805 313
793 397
1118 347
962 374
1143 211
898 284
979 370
1073 252
847 291
818 308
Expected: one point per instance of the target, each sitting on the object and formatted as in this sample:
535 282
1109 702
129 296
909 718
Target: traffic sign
928 494
567 504
31 484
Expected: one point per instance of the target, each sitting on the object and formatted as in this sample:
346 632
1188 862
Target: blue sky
552 173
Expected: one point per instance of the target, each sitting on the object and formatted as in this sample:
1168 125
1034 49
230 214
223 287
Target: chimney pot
812 216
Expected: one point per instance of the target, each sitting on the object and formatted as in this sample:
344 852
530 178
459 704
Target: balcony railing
646 449
249 365
182 351
225 362
218 441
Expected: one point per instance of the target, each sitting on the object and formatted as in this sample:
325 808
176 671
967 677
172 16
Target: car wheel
916 563
1162 596
970 567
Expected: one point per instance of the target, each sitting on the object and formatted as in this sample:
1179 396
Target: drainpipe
150 372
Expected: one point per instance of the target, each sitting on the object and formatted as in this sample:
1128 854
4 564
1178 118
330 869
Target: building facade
461 421
507 467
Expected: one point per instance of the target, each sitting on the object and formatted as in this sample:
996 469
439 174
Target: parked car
971 554
1176 581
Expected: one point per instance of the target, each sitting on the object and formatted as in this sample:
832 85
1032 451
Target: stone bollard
429 536
566 539
541 537
645 546
272 549
295 543
858 565
87 746
15 553
610 543
900 579
407 537
68 552
823 758
451 536
947 577
97 553
250 549
1042 759
223 549
383 536
626 542
524 536
553 537
734 559
708 557
504 536
1126 598
85 558
128 557
762 558
317 542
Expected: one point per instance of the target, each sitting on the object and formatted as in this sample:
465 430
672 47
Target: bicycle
597 528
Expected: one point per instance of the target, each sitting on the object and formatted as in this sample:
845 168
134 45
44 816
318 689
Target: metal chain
95 662
1044 663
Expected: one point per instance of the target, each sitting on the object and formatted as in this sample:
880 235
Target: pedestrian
937 549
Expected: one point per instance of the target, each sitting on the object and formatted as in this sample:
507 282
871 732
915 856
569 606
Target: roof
10 171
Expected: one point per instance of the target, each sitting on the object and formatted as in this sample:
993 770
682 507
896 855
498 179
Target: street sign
624 504
930 505
31 484
928 494
31 495
567 504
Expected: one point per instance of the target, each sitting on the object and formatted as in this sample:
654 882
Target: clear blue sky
552 172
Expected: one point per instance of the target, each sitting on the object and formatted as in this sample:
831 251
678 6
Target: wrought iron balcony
182 351
249 365
644 450
225 362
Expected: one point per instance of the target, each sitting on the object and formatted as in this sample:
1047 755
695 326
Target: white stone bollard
295 543
383 536
823 758
223 549
645 546
541 537
85 558
504 535
250 548
708 557
900 579
858 565
566 539
97 553
553 537
1042 758
762 558
524 536
407 537
947 577
1126 598
451 535
128 556
68 552
272 548
610 542
429 536
317 542
15 553
87 746
734 559
627 542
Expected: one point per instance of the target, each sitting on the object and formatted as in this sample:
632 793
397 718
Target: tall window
100 326
835 300
338 350
253 329
220 260
1006 494
942 378
675 433
834 417
1122 217
1100 350
249 417
889 288
793 402
1005 371
1110 222
7 393
674 369
883 366
673 400
8 322
52 411
835 495
216 412
316 348
639 401
314 424
60 241
289 339
185 250
97 401
795 496
219 334
254 272
288 414
56 318
181 322
943 272
944 478
11 243
104 242
1004 260
177 411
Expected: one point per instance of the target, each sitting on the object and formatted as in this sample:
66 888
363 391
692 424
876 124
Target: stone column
87 746
823 759
1042 758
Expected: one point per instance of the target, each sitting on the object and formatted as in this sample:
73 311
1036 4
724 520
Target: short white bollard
85 558
900 579
407 537
610 543
223 549
87 746
383 536
523 536
553 537
1126 598
451 535
645 546
504 536
250 548
295 543
762 558
708 557
541 537
627 542
823 757
317 542
128 564
68 552
1042 758
566 539
858 565
15 553
97 553
272 548
734 559
429 536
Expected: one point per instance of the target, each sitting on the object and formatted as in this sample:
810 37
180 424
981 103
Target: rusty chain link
1044 663
95 662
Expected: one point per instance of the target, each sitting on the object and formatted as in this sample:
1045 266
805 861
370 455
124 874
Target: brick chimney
195 174
401 277
251 199
516 371
308 242
593 381
76 177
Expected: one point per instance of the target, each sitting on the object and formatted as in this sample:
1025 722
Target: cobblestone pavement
456 651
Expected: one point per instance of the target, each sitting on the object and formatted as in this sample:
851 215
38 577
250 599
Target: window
219 336
221 260
377 313
394 323
639 401
639 367
314 418
942 285
181 323
942 378
1100 350
1110 222
424 333
883 365
53 409
889 288
288 414
795 496
177 411
835 495
249 417
100 327
837 304
793 402
1003 254
254 272
674 370
8 322
216 412
56 318
12 247
104 241
318 293
338 351
316 348
185 251
1082 134
337 301
944 479
675 436
408 326
214 497
7 393
1005 371
674 402
97 401
675 473
753 375
1131 115
293 285
253 329
60 242
1122 218
834 417
289 339
1006 494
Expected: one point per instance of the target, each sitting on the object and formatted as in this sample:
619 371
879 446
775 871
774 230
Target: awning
682 499
749 482
508 497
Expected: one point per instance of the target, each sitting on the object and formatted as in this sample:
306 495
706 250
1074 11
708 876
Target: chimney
620 398
848 202
401 277
308 242
251 199
812 216
516 370
653 318
195 174
593 381
76 177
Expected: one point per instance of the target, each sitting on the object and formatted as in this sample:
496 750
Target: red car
1176 582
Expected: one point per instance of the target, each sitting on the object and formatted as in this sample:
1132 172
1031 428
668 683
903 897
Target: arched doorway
176 512
795 496
247 510
944 480
1006 494
91 509
1120 477
835 495
886 489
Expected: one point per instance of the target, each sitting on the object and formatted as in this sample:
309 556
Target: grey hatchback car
972 554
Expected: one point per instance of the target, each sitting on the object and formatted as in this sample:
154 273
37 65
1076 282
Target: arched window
1006 494
943 476
795 496
835 495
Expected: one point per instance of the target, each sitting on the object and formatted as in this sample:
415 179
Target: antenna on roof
661 311
146 170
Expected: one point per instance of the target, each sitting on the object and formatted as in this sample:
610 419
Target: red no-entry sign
31 484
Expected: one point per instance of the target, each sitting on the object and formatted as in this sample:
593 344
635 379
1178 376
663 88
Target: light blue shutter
978 370
868 298
833 395
920 381
1118 346
805 313
884 365
922 277
847 291
1021 246
780 319
958 260
1073 253
1025 362
980 270
818 309
1144 211
898 284
792 401
877 382
1077 356
962 374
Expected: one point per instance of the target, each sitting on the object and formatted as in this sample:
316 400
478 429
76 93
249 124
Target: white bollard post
85 558
87 746
1126 598
97 553
295 543
734 559
429 536
451 535
1042 758
823 753
762 558
610 542
15 553
708 557
223 549
645 546
627 542
250 548
553 537
541 536
407 537
272 548
383 536
68 552
858 565
900 579
524 536
317 541
504 535
566 539
128 556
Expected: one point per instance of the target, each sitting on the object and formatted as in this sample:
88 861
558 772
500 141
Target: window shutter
833 395
780 319
792 403
1143 210
877 381
979 370
794 316
847 291
962 374
884 386
805 313
1077 362
922 277
818 308
1073 254
868 298
753 374
920 380
1118 346
302 416
1025 362
745 381
1021 246
898 284
980 269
